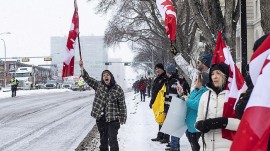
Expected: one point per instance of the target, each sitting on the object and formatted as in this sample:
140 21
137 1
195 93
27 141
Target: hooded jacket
109 99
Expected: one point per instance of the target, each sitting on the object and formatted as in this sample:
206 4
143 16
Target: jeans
175 145
13 91
142 95
193 139
108 135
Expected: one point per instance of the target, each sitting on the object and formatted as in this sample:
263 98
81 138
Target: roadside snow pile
31 92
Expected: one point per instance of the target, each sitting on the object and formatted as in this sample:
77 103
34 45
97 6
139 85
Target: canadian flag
235 84
68 64
254 129
168 14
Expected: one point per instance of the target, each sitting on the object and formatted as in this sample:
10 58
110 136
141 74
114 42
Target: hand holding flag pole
167 11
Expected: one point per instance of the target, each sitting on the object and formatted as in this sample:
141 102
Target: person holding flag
109 108
253 107
226 84
210 120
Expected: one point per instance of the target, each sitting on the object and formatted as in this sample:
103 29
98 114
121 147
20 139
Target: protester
157 85
185 85
171 91
142 88
210 120
244 97
14 84
80 85
204 62
109 108
149 85
192 103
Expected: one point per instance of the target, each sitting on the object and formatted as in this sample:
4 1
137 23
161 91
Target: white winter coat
213 139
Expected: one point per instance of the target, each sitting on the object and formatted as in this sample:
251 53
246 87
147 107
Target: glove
173 50
201 127
216 123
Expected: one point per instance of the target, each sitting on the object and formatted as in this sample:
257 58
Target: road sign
47 58
25 59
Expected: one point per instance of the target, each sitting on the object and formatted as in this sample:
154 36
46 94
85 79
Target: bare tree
210 19
140 22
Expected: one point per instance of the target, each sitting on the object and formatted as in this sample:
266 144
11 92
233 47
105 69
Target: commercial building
94 55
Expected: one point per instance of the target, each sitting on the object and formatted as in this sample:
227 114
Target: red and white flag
168 14
235 84
254 130
68 64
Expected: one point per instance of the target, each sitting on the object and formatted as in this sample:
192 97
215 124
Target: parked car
67 84
52 84
40 86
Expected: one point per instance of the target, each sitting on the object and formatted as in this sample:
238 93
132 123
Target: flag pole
80 52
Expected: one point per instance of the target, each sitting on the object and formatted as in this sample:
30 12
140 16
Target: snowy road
50 121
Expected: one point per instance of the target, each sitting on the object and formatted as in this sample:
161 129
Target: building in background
94 55
118 70
41 74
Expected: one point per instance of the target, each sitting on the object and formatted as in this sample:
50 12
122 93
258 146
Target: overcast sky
32 23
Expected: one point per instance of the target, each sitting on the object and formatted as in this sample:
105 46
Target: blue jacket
192 108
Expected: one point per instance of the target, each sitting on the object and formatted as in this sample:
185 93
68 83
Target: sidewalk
138 131
141 127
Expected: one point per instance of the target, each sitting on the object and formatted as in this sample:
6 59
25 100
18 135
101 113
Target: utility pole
243 36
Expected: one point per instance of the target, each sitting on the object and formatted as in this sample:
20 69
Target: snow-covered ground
136 134
141 127
31 92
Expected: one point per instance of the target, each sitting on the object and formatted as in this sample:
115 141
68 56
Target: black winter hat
259 41
224 68
159 65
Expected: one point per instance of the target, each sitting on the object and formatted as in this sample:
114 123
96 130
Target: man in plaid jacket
109 108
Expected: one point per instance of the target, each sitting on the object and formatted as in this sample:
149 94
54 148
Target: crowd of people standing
205 99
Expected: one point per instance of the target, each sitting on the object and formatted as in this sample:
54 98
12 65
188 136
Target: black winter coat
157 85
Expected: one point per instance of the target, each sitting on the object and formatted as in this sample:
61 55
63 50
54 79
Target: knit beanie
206 59
224 68
259 41
171 69
159 65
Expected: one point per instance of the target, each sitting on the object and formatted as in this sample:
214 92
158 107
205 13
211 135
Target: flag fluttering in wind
168 14
254 129
68 64
235 84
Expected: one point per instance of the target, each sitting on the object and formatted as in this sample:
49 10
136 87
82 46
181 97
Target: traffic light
108 63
